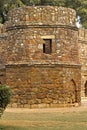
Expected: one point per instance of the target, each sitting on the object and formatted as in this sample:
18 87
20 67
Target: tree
81 8
5 94
7 5
82 11
2 11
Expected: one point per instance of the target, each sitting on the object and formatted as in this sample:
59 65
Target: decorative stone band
39 63
40 26
47 15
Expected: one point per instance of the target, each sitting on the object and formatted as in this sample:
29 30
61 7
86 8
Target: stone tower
82 42
42 65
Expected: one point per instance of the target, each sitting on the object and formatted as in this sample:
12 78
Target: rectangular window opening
47 46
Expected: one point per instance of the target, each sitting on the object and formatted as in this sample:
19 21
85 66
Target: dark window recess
0 83
86 89
47 46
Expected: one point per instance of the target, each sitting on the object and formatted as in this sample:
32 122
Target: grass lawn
54 120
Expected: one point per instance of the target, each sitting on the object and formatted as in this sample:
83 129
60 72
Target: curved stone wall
42 15
39 78
3 48
29 26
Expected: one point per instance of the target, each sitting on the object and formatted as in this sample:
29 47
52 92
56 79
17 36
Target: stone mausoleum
43 57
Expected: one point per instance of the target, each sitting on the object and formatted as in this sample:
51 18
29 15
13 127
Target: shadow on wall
74 91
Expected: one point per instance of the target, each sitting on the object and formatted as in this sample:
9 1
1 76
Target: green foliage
82 11
7 5
5 94
81 8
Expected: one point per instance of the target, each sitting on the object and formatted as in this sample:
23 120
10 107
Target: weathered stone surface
43 88
28 26
41 15
83 60
39 79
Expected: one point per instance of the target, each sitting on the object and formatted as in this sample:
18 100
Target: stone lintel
48 37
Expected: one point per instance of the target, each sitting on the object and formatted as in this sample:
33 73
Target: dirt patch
47 110
37 123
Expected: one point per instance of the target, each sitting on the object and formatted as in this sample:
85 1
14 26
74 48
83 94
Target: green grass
44 121
44 128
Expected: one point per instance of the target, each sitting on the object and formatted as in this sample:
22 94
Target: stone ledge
29 64
37 25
